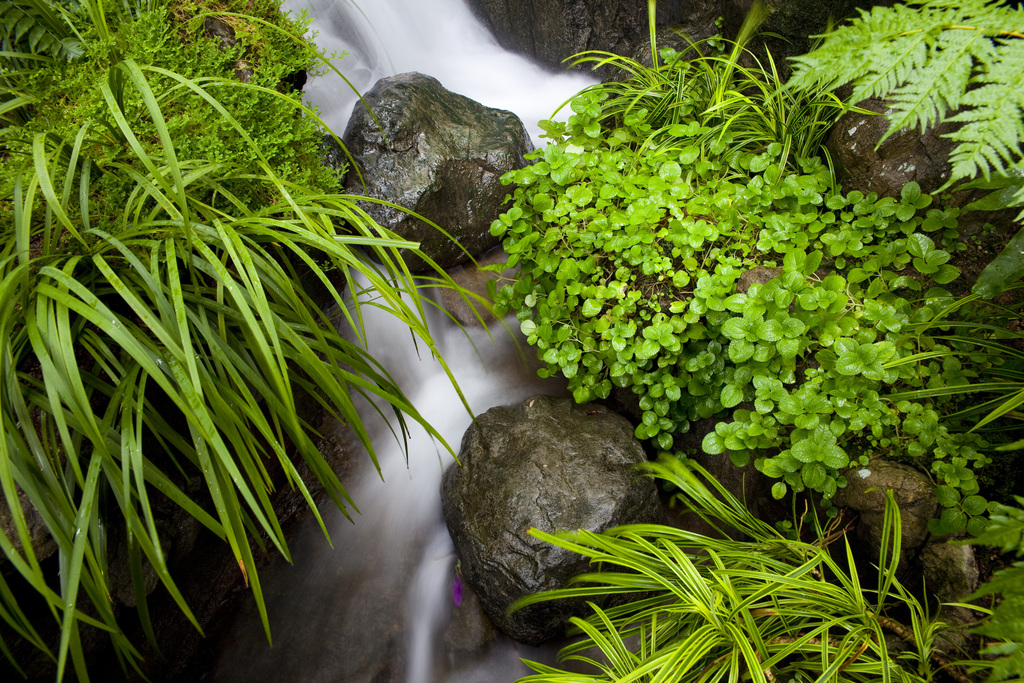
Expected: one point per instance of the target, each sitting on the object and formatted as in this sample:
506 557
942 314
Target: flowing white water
377 607
440 38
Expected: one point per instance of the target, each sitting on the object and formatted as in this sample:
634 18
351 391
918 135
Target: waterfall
440 38
376 606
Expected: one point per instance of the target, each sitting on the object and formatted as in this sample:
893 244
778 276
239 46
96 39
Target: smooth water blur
377 606
440 38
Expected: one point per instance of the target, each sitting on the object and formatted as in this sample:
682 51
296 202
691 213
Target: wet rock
545 463
224 33
950 570
789 24
221 31
758 275
865 493
551 31
862 164
474 279
438 154
950 574
42 543
470 630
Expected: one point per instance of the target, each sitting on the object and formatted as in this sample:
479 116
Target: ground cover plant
667 254
163 204
706 270
935 61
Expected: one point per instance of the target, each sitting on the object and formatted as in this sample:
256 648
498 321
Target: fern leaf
993 118
939 82
24 24
1010 667
928 59
895 51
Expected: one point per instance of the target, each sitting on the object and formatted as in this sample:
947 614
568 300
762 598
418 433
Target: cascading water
440 38
375 607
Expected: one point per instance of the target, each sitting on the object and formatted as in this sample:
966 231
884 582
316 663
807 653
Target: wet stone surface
544 463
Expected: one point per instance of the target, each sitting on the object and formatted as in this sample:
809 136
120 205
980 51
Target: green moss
68 95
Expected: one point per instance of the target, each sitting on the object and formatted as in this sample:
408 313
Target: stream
377 607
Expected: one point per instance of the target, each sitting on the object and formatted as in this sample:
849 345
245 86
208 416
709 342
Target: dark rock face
42 543
950 570
904 156
551 31
439 154
550 464
221 31
472 278
787 28
950 573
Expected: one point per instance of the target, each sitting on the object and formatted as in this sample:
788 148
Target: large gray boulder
439 154
546 463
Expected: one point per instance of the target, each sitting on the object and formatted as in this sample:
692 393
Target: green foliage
928 59
156 233
176 41
691 607
705 102
1005 532
631 260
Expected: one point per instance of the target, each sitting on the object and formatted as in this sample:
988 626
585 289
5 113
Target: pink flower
457 591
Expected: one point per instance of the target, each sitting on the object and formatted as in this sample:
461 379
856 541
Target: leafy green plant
1006 625
631 260
700 608
708 91
936 60
977 330
659 261
158 329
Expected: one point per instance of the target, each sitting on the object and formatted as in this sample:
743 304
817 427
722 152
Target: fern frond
938 83
930 58
38 28
891 53
993 118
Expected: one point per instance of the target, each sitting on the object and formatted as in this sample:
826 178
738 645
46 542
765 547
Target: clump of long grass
711 608
170 338
717 95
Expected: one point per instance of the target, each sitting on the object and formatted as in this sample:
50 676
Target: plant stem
908 635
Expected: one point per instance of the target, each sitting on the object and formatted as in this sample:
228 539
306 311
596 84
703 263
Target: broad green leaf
713 444
947 495
1006 269
732 395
